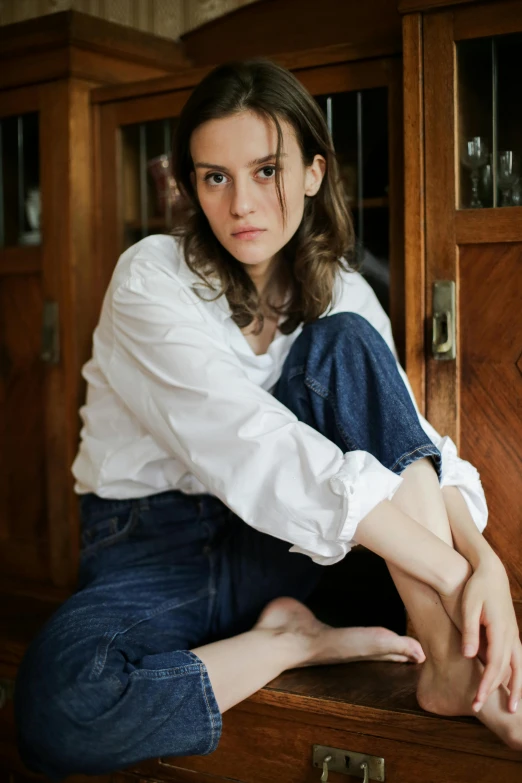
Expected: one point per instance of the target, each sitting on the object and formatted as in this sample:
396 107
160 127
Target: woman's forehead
244 138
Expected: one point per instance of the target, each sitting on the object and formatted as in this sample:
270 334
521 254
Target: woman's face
234 163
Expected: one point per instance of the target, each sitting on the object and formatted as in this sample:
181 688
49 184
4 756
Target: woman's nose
242 198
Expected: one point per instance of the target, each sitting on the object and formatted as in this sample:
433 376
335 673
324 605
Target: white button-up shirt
177 399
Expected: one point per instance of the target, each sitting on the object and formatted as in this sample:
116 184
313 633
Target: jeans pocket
105 531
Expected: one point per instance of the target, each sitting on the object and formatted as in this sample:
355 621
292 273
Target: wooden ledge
373 698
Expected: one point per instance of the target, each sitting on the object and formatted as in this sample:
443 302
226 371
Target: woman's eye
211 176
270 169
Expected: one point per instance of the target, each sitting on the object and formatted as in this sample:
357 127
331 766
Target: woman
226 418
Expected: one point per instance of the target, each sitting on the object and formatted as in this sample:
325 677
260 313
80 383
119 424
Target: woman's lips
249 234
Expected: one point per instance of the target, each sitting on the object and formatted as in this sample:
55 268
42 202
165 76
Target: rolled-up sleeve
172 367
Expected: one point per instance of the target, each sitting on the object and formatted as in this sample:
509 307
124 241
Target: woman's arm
466 536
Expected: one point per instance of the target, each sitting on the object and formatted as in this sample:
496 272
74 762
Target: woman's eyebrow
255 162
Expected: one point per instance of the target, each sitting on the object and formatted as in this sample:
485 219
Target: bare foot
325 644
449 688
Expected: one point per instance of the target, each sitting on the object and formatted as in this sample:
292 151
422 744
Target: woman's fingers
494 668
471 631
515 683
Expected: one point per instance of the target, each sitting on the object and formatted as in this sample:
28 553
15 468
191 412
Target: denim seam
324 393
164 674
295 371
431 448
132 522
100 659
203 677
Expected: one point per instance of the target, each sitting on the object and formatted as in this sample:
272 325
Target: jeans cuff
214 714
427 450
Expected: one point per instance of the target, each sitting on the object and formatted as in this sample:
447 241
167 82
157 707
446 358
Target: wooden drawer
260 748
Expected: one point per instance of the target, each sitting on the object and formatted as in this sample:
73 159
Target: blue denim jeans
111 680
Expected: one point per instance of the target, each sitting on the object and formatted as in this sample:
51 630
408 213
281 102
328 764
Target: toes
393 657
413 649
391 643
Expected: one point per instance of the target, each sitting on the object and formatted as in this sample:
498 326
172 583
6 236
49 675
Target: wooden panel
414 206
20 260
166 84
270 27
108 216
69 278
407 6
71 27
24 547
488 225
19 101
154 107
346 77
396 201
486 19
439 90
308 58
263 748
490 343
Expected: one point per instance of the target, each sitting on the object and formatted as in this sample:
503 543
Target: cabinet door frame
64 268
444 234
447 227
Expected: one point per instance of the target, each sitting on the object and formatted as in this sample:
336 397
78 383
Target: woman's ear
314 175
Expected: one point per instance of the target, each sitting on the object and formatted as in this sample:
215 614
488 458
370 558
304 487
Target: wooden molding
414 207
409 6
274 26
479 226
40 49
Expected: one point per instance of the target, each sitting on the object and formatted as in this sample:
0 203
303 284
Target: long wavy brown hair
324 242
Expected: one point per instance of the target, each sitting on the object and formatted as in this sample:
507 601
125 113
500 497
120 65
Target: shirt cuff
362 482
457 472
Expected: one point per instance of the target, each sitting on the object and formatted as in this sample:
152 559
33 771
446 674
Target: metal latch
348 762
444 331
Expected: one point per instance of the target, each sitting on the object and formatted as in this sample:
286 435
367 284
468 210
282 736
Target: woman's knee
97 720
350 331
55 717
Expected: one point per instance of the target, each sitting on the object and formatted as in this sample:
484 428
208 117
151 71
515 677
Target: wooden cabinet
48 277
464 219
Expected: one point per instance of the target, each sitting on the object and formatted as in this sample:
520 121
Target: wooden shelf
21 259
489 225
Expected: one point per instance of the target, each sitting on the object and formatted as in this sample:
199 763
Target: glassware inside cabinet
489 122
148 190
358 123
20 204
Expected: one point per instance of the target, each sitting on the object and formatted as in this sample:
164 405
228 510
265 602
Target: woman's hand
487 604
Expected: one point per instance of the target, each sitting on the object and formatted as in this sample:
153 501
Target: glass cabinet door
490 121
358 123
148 189
19 180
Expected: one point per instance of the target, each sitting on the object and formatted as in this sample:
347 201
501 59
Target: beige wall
169 18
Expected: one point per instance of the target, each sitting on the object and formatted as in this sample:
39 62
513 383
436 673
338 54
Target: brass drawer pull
348 762
324 776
